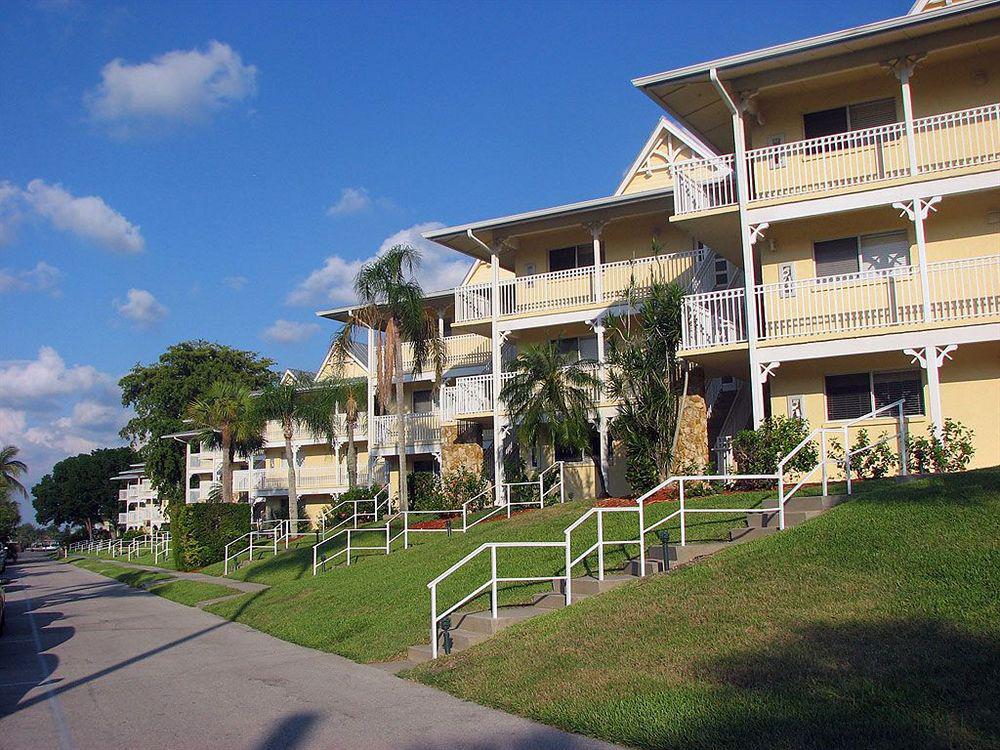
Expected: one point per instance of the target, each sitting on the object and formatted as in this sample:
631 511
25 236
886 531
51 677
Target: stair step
484 623
746 533
419 654
589 586
550 601
679 554
814 502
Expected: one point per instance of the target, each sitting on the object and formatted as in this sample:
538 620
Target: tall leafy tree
644 378
159 395
228 418
79 490
295 407
10 515
391 303
550 394
11 470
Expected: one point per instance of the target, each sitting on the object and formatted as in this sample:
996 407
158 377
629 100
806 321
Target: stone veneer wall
692 439
459 451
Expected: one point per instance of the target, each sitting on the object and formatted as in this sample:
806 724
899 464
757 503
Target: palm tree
11 468
226 415
294 407
352 394
548 393
391 303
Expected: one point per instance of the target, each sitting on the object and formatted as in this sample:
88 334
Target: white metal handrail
255 540
350 524
952 140
961 289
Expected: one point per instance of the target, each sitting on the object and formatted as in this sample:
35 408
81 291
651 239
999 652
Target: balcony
465 350
420 429
308 479
473 396
543 293
803 169
959 291
202 462
274 434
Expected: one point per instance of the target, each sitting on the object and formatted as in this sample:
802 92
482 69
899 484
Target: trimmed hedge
199 532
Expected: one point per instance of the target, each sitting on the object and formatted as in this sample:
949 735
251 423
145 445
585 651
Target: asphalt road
87 662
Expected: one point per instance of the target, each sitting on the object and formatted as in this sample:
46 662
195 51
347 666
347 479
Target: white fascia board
558 319
686 137
873 198
971 334
472 270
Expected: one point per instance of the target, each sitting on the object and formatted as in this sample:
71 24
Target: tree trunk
352 455
400 428
602 484
293 494
227 466
89 526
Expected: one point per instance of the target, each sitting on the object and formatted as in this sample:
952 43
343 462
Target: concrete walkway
87 662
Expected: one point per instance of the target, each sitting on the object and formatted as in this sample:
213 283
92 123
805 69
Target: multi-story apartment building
848 185
143 509
856 180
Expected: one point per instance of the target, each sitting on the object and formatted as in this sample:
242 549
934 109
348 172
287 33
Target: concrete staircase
468 629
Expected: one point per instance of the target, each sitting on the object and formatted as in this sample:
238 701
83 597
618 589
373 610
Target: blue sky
180 170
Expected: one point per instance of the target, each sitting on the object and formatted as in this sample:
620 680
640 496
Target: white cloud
141 307
333 282
178 86
289 332
88 217
46 377
41 278
51 411
235 282
351 201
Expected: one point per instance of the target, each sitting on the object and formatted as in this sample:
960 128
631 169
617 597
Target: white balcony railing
472 395
465 350
123 518
274 434
966 289
953 140
420 429
545 292
203 462
307 479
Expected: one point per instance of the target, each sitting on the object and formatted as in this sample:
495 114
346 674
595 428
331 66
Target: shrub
201 531
759 451
931 454
874 463
425 491
462 485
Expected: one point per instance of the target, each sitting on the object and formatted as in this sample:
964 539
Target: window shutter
835 257
872 114
562 259
827 122
848 396
893 386
885 250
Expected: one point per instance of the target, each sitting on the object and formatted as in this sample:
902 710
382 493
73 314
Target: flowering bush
951 452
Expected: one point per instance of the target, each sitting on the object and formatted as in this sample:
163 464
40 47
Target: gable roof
663 127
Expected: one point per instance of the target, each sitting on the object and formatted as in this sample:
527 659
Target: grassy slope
181 591
146 559
875 625
376 608
191 592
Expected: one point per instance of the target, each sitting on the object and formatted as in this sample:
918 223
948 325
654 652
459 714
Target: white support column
903 69
497 352
596 228
598 326
440 324
747 237
603 437
931 358
917 211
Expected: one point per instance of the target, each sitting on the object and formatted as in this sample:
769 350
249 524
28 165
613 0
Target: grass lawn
177 590
377 607
875 625
191 592
165 561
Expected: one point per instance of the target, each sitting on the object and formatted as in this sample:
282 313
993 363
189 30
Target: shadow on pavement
289 733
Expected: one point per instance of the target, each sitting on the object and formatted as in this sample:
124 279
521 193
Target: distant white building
143 509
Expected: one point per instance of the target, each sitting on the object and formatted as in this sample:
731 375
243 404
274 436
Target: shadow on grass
532 738
894 684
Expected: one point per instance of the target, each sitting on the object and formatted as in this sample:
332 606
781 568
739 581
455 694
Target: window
568 454
566 258
853 396
578 349
848 396
423 402
424 466
721 273
869 252
889 387
852 117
